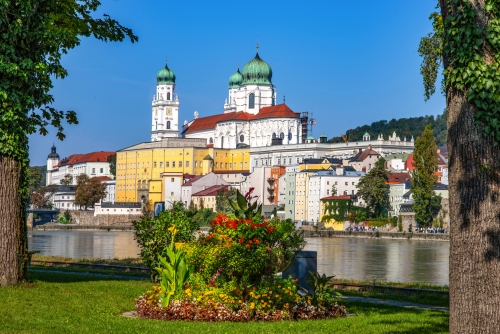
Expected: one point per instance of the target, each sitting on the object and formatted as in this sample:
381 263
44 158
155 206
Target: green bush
153 235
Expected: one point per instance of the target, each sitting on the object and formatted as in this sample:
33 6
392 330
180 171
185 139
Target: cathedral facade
250 118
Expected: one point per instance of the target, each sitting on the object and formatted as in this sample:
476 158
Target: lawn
65 303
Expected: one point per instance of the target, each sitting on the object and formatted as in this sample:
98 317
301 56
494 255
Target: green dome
235 79
257 71
165 76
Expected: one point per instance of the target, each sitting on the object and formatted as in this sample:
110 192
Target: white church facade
250 118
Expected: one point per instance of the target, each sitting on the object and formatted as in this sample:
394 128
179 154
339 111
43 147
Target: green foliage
424 178
67 180
153 236
88 191
222 200
431 50
112 164
174 273
404 127
400 223
322 293
41 197
203 217
336 209
243 206
373 190
472 56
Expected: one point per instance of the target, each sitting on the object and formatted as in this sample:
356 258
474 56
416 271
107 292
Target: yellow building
319 164
139 167
207 197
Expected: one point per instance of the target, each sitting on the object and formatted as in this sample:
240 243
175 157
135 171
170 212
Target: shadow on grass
423 321
67 277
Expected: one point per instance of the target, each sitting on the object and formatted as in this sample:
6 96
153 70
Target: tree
88 191
40 198
33 36
471 59
67 180
424 176
112 164
222 200
373 190
334 190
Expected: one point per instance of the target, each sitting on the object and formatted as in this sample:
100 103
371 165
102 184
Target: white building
197 184
94 164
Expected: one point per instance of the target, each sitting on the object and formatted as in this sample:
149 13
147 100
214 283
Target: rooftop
211 191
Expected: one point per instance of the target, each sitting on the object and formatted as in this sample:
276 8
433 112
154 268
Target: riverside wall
87 218
328 233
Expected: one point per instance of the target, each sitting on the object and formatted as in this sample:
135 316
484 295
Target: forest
404 127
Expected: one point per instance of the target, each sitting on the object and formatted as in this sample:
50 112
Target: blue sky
349 62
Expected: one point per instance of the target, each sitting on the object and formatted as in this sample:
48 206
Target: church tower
52 161
165 106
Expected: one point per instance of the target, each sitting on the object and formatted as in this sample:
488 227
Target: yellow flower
252 305
279 286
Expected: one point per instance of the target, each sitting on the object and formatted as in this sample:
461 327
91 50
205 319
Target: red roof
81 158
398 177
211 191
103 178
336 197
192 180
209 122
242 171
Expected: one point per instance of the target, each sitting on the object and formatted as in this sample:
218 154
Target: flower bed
230 274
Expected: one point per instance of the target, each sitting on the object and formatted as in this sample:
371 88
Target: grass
132 262
64 303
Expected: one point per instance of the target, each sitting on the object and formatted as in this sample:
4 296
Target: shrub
153 235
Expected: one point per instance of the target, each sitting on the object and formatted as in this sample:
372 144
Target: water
349 258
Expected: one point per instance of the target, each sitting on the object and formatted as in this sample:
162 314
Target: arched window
168 96
289 136
242 138
222 142
274 135
282 135
211 140
251 101
168 124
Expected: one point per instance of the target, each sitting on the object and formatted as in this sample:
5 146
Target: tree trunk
13 232
474 174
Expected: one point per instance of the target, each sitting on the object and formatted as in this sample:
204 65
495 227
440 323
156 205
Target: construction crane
344 137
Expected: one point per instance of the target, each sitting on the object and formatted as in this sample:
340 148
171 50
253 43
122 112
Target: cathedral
250 118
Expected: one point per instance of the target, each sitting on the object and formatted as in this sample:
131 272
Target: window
62 204
336 183
282 135
251 101
353 183
347 183
168 124
180 163
154 164
173 164
168 96
279 161
172 179
211 140
274 135
171 193
167 164
101 170
327 183
161 164
93 170
196 164
187 163
242 139
221 142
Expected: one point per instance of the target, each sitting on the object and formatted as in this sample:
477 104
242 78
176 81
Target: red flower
250 242
241 240
247 246
257 241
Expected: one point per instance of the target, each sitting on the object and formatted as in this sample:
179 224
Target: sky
351 63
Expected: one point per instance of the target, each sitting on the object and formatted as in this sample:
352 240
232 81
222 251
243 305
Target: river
350 258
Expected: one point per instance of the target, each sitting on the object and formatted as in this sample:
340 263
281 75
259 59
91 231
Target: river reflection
85 244
350 258
383 259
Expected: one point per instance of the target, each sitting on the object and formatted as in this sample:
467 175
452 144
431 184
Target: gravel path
396 303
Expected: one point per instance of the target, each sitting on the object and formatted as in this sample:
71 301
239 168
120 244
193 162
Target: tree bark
13 230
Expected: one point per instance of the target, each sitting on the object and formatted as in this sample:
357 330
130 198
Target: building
198 184
206 198
290 190
337 225
94 164
273 184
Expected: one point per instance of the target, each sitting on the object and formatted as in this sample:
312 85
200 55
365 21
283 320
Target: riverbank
327 233
308 233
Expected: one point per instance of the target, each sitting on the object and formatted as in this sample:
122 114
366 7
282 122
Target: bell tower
165 106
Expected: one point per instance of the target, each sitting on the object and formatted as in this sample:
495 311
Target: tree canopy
88 191
373 190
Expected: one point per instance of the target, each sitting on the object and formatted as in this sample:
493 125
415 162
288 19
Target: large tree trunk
474 175
13 231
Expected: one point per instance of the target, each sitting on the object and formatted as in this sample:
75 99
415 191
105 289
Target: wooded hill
408 127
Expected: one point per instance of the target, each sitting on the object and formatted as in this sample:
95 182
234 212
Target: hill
408 127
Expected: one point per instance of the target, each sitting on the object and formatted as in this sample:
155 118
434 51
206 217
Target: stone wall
87 218
384 235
